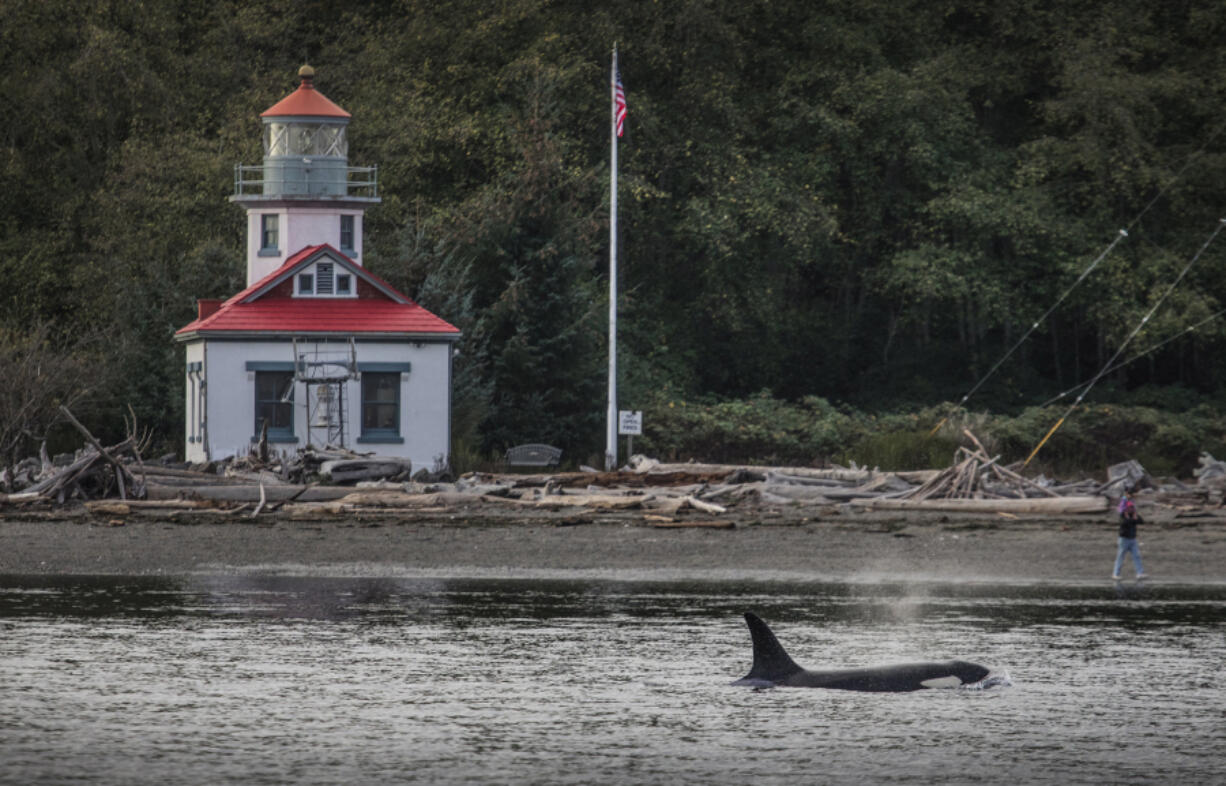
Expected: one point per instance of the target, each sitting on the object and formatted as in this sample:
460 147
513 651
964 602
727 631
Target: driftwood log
248 492
121 472
716 524
1043 505
641 464
351 470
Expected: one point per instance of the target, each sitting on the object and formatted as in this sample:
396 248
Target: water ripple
313 680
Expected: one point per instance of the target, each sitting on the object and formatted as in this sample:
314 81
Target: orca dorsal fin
770 661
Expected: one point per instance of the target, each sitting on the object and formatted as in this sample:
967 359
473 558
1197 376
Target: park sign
629 423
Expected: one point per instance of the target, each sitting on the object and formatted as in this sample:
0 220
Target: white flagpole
610 457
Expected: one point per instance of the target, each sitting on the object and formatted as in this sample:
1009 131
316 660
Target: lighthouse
317 350
304 193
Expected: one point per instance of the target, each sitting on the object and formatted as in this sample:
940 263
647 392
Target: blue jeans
1128 546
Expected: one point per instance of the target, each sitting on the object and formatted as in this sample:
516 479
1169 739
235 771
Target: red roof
268 307
306 100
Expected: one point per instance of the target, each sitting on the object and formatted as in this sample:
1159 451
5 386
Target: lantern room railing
306 183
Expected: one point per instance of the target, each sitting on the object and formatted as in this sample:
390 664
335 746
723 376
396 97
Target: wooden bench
533 455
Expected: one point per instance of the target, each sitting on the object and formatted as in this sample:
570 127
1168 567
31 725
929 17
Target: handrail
360 181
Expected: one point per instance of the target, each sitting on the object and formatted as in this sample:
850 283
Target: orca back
773 667
771 663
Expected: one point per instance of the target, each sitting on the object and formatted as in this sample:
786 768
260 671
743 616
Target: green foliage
759 429
428 264
862 202
902 450
1096 436
765 430
466 457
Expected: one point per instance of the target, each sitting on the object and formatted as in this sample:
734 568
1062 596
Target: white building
316 350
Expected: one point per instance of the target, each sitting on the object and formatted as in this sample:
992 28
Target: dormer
325 279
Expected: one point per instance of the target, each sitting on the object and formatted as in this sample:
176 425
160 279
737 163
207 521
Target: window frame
286 378
377 433
270 230
351 230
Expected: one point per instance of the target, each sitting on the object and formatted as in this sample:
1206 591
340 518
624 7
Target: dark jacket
1128 518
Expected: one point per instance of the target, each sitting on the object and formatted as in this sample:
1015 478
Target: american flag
619 98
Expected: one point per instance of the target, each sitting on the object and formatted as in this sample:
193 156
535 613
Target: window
344 284
380 405
269 232
302 140
347 233
274 404
305 139
306 284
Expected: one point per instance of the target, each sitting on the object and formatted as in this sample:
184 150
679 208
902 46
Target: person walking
1129 519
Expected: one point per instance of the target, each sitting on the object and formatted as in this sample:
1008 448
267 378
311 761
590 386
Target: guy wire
1138 356
1122 234
1129 338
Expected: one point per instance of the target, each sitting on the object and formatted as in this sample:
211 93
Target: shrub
759 429
902 450
764 430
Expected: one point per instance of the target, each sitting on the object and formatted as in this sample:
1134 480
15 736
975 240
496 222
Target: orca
772 667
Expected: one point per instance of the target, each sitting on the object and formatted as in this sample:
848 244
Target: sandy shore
840 546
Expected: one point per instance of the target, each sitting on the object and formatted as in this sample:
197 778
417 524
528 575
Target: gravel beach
838 547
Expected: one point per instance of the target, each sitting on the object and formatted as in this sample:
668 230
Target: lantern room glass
305 139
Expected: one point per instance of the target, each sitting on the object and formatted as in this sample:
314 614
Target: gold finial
308 76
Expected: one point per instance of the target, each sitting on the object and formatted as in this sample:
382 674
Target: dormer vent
325 279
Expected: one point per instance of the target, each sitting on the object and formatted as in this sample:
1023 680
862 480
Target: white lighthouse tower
305 193
316 350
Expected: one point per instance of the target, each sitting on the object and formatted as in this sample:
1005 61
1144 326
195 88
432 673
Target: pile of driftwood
310 464
1191 500
97 472
951 490
94 472
663 494
1211 472
976 476
333 482
978 483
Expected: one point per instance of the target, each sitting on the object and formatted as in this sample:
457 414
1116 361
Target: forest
836 218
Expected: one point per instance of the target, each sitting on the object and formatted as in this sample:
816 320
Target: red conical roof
305 101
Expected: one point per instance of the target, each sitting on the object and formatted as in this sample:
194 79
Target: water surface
326 680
